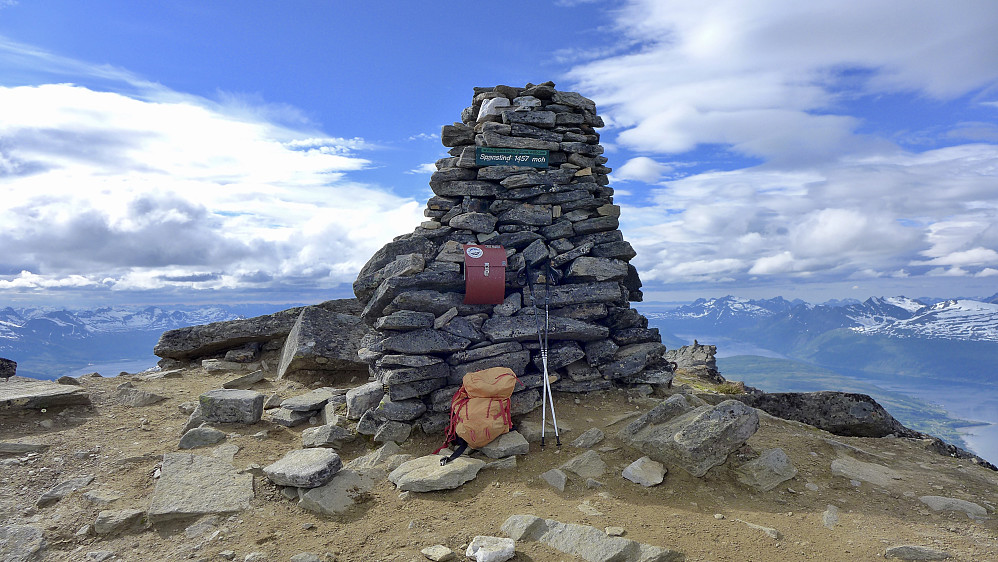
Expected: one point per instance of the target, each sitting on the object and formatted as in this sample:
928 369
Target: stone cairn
558 222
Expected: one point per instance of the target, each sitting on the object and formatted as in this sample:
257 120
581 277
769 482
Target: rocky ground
866 507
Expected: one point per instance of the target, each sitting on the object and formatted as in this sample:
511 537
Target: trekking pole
542 341
544 360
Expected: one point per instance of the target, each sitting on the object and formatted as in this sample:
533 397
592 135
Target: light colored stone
768 471
646 472
191 486
304 468
506 445
425 474
876 474
589 438
20 543
940 503
113 521
438 553
201 437
913 552
589 543
556 478
63 489
491 549
830 517
586 465
345 489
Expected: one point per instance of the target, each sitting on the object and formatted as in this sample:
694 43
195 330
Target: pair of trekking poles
546 396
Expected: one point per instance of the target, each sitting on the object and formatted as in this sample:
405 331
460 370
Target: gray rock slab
245 381
941 503
645 471
191 486
304 468
424 474
116 520
22 393
311 400
20 543
136 398
363 398
394 431
375 458
289 418
586 465
329 435
853 469
697 440
346 488
231 406
63 489
523 328
201 437
588 543
323 340
914 552
12 448
768 471
506 445
556 478
589 438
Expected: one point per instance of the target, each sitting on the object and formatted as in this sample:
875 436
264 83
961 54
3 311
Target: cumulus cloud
804 179
641 168
111 190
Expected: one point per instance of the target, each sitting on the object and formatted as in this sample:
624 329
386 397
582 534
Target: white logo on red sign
474 252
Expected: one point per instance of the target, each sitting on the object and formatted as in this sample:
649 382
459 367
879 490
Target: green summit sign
487 156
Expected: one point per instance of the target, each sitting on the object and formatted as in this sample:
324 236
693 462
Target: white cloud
427 168
789 85
641 168
104 189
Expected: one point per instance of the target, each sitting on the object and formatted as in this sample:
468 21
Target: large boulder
695 439
841 413
322 341
192 342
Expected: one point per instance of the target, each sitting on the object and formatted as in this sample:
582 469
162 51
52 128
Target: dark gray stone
475 222
588 268
841 413
527 214
405 320
231 406
328 435
516 361
524 328
424 341
199 341
404 375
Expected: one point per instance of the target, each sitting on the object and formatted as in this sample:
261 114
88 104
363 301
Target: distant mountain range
912 355
898 317
49 342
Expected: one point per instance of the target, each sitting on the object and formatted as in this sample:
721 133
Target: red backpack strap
459 399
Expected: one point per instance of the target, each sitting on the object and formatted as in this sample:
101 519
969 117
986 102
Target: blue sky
183 152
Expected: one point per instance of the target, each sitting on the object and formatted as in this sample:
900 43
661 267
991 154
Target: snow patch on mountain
962 319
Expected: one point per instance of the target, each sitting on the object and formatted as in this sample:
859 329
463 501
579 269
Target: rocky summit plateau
309 434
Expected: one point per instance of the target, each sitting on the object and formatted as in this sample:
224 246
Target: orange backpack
480 409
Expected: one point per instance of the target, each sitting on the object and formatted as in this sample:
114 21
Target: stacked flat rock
558 224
